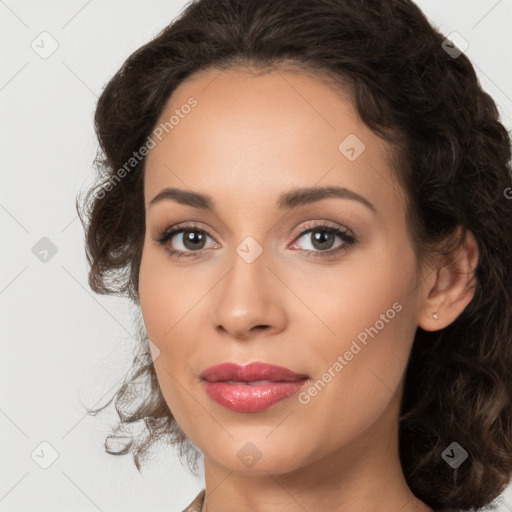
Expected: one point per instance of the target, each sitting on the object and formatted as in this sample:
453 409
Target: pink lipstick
250 388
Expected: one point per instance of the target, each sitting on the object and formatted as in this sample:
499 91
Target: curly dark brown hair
453 163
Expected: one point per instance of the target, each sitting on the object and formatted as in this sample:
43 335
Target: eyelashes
332 230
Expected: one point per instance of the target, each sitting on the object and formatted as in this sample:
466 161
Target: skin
250 138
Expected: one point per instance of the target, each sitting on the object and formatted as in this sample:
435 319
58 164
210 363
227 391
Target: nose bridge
248 296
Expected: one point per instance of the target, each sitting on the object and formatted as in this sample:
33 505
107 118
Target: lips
250 388
250 373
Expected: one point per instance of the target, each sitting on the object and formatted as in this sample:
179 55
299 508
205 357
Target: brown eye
184 241
322 239
192 240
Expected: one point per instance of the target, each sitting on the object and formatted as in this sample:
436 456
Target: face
325 285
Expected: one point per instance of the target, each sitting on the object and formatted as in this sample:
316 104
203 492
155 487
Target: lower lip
251 398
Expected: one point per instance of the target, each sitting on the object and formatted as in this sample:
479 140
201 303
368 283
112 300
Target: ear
453 287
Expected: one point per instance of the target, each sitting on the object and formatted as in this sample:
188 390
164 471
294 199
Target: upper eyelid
311 225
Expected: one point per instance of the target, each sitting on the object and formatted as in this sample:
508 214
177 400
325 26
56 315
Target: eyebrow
286 201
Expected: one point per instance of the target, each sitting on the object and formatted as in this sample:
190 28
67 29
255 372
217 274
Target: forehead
253 132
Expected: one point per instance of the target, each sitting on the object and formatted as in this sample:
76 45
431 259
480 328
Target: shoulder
197 504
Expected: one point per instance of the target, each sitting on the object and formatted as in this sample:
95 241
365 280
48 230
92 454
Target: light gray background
61 344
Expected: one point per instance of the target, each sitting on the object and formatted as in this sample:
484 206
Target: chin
257 457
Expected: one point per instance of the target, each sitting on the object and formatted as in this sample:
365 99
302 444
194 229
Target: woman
308 201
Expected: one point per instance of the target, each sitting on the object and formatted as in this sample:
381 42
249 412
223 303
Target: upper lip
250 372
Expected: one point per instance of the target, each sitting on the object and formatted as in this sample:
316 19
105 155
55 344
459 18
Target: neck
365 475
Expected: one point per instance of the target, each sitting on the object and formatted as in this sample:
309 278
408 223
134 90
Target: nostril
261 326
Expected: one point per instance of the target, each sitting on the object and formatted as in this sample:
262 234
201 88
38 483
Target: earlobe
453 289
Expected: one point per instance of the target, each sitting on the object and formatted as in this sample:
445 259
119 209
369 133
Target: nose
250 300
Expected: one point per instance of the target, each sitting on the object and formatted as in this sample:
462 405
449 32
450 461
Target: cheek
365 292
170 299
359 369
163 295
370 314
163 304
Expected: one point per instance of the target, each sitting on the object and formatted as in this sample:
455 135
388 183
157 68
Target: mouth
250 373
250 388
249 383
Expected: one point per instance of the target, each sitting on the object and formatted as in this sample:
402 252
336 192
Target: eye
184 241
321 239
190 240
